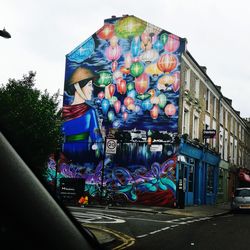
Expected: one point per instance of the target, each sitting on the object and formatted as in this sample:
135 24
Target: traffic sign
111 145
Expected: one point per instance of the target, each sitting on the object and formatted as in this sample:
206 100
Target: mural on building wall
125 77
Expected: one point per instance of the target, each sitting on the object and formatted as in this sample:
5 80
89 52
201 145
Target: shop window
210 179
220 182
191 179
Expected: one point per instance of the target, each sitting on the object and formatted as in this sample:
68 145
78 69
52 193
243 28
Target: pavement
105 237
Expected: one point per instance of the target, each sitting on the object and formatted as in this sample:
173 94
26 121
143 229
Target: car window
243 192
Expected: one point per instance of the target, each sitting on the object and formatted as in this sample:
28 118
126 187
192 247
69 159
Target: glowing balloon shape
105 106
154 112
162 100
164 38
135 46
117 106
111 89
112 100
123 108
132 93
136 69
117 74
167 79
114 66
121 86
113 41
131 107
141 84
167 63
170 110
106 32
151 92
137 109
125 116
146 105
161 87
172 44
154 100
128 60
129 26
149 56
124 70
104 80
158 45
146 47
146 38
113 53
143 96
130 86
128 100
116 124
153 70
101 95
111 116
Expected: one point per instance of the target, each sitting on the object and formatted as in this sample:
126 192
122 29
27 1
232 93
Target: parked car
241 199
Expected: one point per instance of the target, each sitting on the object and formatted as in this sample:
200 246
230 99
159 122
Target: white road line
142 236
89 217
173 226
134 218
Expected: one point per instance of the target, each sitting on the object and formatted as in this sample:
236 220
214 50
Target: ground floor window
210 179
221 181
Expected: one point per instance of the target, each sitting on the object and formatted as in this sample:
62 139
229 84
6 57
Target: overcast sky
44 31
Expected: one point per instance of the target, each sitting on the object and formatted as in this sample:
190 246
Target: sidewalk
194 211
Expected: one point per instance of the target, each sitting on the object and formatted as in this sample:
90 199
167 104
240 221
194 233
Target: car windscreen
242 192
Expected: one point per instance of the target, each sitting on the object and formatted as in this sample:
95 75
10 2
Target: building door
189 184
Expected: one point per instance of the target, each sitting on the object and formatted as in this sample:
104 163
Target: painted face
88 90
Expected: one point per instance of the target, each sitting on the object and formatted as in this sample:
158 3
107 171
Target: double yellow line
126 240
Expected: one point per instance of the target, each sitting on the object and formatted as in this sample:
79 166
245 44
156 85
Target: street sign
111 145
209 133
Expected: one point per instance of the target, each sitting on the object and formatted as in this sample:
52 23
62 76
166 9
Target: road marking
97 218
127 240
154 232
141 236
178 223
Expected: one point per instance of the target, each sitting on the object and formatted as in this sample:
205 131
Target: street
140 230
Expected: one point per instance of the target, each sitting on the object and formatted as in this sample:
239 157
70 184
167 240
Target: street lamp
5 33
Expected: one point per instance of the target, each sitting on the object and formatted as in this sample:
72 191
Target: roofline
220 93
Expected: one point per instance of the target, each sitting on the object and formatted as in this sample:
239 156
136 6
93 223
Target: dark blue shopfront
197 170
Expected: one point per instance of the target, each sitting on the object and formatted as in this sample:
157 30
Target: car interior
30 216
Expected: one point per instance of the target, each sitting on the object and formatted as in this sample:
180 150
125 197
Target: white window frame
186 123
196 129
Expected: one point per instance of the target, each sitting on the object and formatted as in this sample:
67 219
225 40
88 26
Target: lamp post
5 33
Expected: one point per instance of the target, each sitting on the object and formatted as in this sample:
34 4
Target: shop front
223 179
197 171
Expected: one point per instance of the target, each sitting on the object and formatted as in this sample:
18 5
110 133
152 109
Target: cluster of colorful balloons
150 55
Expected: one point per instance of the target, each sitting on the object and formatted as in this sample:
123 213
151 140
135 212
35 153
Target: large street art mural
124 78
